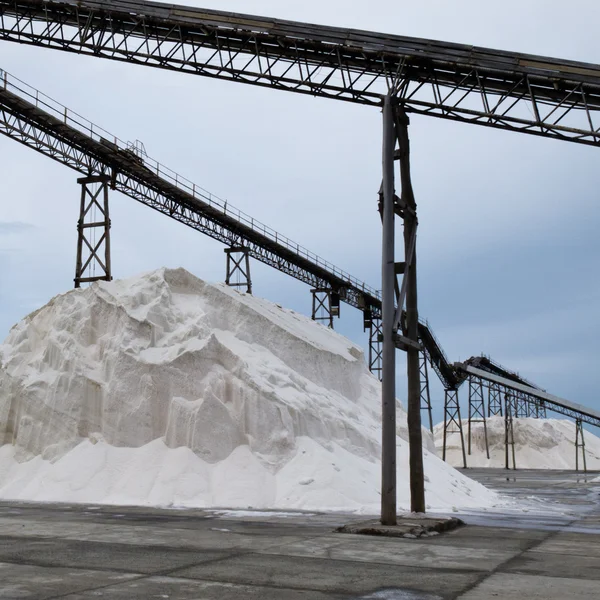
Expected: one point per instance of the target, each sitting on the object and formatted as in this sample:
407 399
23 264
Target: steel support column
425 392
494 400
388 281
509 433
452 417
93 231
324 307
579 444
408 210
375 350
238 268
477 410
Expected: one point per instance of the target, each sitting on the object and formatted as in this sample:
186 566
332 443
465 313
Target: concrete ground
82 552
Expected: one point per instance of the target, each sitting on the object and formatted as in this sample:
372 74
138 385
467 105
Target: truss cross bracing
375 347
518 92
494 400
322 307
534 396
238 268
425 391
33 119
453 422
477 411
93 232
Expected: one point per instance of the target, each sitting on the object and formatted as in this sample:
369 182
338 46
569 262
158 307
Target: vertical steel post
578 444
388 279
413 418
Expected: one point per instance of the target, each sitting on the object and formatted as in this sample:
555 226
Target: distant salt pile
539 444
163 389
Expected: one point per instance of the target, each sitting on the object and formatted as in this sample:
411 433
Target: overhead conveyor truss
30 117
530 94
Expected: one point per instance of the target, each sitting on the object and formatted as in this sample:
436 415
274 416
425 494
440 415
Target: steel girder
529 94
537 406
31 118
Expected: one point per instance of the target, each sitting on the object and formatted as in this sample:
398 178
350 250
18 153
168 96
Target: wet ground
85 552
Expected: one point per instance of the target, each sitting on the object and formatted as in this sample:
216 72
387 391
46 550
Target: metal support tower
477 410
494 400
93 231
425 393
325 305
238 268
579 444
388 353
375 348
509 432
452 417
395 131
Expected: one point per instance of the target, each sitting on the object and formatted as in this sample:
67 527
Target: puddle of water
399 594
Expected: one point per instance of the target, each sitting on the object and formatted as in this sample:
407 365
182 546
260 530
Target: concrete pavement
83 552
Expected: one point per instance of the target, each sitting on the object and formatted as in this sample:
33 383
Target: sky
508 248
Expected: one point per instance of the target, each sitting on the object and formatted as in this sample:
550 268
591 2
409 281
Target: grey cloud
9 227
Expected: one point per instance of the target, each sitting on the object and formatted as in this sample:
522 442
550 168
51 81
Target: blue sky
508 244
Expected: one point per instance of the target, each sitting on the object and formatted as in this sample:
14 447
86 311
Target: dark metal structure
93 231
477 411
238 268
33 119
509 432
532 396
494 399
579 444
325 306
525 93
375 338
453 422
508 90
425 391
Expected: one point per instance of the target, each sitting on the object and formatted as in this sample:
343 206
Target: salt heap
539 444
166 390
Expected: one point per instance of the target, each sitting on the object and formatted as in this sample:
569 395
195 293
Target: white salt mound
166 390
539 444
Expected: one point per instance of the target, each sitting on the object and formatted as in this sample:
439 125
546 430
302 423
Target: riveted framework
238 268
425 391
93 232
453 422
494 399
375 337
477 411
322 310
530 94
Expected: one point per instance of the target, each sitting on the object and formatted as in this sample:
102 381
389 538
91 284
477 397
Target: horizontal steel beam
517 92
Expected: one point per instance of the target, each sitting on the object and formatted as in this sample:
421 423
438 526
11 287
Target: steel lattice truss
530 94
33 119
538 400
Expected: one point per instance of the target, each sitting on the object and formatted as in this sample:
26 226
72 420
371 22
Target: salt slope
164 389
539 444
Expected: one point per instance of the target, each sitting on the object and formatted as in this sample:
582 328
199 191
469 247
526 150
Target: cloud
12 227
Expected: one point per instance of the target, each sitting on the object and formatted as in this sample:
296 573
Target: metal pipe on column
415 437
388 279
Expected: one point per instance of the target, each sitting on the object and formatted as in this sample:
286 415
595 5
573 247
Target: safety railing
97 133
